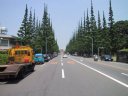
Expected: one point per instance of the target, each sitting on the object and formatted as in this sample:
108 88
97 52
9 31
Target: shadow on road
9 81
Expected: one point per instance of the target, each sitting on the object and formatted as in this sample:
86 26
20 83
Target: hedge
3 57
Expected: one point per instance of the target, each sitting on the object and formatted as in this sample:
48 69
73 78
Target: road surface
72 76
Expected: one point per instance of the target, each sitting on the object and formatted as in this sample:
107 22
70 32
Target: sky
65 14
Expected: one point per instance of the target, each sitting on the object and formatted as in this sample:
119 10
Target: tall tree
30 29
105 35
99 22
87 23
92 20
34 30
34 24
23 31
111 31
98 34
111 19
93 27
44 30
104 22
84 25
47 33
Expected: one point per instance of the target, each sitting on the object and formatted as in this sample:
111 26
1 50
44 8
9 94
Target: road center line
118 81
63 75
62 64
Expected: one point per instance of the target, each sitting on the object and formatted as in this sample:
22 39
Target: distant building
6 41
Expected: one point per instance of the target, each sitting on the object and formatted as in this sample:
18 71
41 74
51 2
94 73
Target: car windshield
38 56
107 56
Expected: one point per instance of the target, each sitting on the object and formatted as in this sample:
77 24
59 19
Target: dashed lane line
62 64
63 75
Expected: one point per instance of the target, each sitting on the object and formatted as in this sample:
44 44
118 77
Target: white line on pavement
124 74
62 64
63 75
118 81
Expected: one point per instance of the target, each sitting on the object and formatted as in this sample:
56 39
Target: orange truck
20 62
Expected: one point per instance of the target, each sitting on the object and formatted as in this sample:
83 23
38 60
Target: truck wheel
21 74
32 67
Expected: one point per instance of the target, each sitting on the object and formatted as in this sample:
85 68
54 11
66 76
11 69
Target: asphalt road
72 76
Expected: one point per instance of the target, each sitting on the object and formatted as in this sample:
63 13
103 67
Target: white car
65 56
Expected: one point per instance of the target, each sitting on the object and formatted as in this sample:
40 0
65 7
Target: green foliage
124 50
111 30
23 32
112 37
121 34
38 35
3 57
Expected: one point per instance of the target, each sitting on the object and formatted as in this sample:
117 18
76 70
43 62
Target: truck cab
21 54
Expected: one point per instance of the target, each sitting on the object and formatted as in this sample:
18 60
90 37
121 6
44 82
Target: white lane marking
81 60
118 81
63 75
124 74
1 83
62 64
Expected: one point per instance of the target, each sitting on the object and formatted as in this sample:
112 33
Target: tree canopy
39 35
110 38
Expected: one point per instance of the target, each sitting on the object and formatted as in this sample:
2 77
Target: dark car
106 58
46 57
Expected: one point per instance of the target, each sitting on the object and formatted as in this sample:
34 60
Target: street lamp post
46 45
92 43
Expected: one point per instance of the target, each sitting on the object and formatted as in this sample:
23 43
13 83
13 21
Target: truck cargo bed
11 70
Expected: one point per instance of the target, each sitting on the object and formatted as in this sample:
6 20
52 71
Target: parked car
106 58
55 54
39 58
95 58
46 57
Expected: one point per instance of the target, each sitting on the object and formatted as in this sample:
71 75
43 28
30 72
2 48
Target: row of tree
38 35
91 36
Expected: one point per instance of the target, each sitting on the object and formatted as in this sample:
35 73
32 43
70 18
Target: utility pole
46 45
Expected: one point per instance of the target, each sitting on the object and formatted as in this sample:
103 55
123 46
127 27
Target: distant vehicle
95 58
65 56
106 58
75 54
51 56
55 54
46 57
39 58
